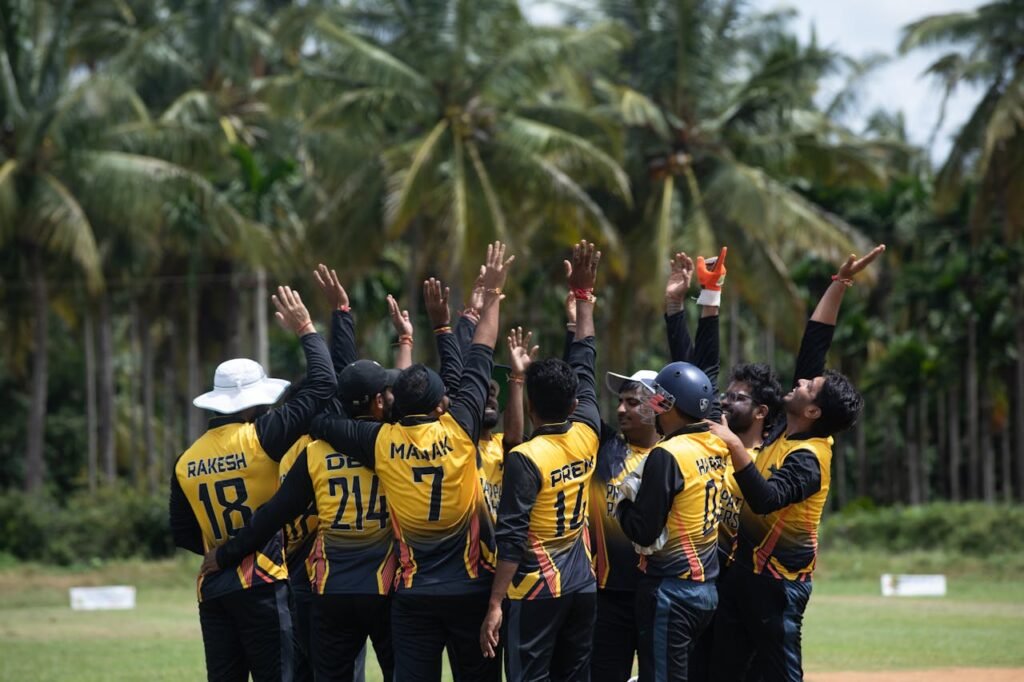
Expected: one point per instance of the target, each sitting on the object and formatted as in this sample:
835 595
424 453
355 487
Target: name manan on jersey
226 477
557 558
434 498
354 548
690 551
784 543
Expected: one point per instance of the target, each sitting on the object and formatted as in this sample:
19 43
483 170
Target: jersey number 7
437 474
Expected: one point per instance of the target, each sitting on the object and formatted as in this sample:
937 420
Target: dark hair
551 388
840 405
764 385
417 390
628 386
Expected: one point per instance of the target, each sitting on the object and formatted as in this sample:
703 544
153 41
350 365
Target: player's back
557 560
428 468
226 475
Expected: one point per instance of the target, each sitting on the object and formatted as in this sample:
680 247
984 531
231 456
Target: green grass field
848 625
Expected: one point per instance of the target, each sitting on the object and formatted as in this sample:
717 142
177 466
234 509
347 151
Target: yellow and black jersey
542 516
492 468
226 475
301 531
681 493
615 559
732 505
354 549
785 492
428 467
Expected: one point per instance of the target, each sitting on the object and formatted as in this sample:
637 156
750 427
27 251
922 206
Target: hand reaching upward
582 272
399 318
679 277
495 269
291 312
327 280
519 350
853 265
435 297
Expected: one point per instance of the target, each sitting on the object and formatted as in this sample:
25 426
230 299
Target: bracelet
516 379
496 291
472 314
584 295
844 280
443 329
301 330
345 308
571 326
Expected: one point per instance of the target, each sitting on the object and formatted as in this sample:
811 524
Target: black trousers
341 624
671 614
615 637
759 615
423 624
302 658
248 631
550 639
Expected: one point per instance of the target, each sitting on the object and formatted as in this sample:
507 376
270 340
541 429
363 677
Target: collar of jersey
223 421
551 429
803 435
417 419
699 427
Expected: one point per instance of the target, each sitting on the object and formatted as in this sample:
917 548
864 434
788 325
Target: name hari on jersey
216 465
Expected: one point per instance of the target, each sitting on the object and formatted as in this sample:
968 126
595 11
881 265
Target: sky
861 28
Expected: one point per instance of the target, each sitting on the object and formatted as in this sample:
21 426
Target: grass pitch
848 626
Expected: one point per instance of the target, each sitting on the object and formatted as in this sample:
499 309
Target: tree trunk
942 450
36 432
973 437
913 456
107 448
988 458
955 444
234 322
860 436
922 446
148 436
133 390
172 410
192 359
839 474
259 316
1006 456
1018 381
90 396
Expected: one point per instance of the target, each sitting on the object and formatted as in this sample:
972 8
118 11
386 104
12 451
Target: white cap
615 381
239 384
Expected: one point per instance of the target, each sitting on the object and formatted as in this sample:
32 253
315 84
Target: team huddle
409 506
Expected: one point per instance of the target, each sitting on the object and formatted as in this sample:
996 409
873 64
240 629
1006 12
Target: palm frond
493 204
9 204
57 222
367 63
402 201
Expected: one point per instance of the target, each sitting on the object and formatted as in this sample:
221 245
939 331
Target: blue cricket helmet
685 387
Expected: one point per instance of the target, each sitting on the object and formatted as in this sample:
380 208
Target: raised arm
570 314
435 299
817 339
706 354
279 428
521 355
403 332
583 352
467 405
465 326
680 347
343 326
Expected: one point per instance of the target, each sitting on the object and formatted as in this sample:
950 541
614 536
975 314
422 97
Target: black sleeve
464 328
279 428
680 347
292 499
810 361
706 356
520 484
583 357
343 340
357 438
569 338
467 405
450 353
643 520
798 478
184 528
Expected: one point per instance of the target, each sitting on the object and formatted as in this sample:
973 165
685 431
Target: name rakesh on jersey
216 465
437 449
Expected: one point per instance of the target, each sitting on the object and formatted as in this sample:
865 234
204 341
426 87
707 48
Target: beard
739 422
490 419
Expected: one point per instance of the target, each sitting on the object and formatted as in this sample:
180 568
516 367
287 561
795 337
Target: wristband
301 330
584 295
846 281
443 329
495 290
710 297
345 308
516 379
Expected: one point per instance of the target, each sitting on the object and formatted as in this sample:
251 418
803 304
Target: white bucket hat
239 384
615 381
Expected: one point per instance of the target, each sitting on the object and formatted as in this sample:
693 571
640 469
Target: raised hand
476 297
495 269
853 265
679 277
400 319
291 312
327 279
711 278
435 297
519 350
570 299
582 270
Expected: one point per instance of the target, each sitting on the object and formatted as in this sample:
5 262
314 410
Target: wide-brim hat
240 384
614 381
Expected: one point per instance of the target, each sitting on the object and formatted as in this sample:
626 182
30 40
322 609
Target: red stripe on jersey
696 567
547 567
764 552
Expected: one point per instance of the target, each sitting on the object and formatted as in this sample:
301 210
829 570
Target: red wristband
345 308
848 282
584 295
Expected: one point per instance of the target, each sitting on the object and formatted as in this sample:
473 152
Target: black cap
362 380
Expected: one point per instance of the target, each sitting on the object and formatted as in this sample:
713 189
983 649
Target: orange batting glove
711 280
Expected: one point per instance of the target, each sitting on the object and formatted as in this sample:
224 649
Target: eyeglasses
734 397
